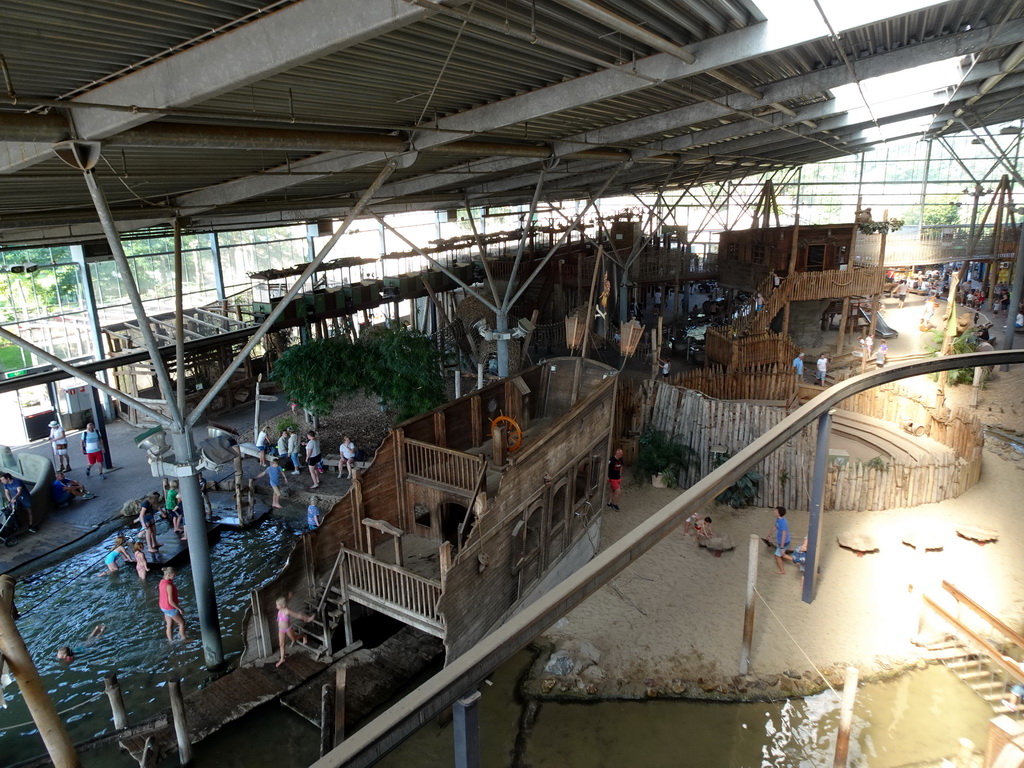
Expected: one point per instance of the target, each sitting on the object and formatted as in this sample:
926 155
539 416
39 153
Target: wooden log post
113 690
180 722
149 754
748 612
326 719
845 719
238 487
55 737
340 681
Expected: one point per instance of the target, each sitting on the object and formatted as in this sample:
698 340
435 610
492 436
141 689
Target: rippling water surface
916 717
61 604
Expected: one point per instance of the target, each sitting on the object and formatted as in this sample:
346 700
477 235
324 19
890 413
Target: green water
915 718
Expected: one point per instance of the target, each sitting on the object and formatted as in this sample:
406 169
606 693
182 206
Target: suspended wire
61 713
68 582
444 66
795 642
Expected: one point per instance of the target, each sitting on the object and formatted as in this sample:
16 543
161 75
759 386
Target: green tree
398 365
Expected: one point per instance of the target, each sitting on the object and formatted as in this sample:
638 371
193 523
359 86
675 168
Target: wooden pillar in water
113 690
845 719
326 719
180 721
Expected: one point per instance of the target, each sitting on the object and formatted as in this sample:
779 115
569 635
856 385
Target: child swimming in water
66 653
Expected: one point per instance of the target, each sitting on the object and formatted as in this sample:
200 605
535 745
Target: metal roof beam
715 53
791 88
298 33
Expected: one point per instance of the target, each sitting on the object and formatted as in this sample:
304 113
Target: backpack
360 455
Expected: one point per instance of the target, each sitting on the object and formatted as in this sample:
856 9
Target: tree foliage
397 365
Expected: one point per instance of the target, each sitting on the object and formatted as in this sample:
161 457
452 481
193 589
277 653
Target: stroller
8 526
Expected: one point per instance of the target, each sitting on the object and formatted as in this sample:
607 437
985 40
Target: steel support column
466 714
817 506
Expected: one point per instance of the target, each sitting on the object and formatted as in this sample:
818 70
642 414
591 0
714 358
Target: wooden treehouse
465 514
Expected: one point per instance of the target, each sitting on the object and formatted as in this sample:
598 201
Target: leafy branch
397 365
878 227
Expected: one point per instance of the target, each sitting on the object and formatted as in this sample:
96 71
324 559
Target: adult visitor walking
293 449
59 443
92 447
615 478
821 369
798 366
313 457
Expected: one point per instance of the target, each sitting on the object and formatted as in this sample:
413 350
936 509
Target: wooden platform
226 699
172 549
374 675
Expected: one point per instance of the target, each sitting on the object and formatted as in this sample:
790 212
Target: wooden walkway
227 699
173 550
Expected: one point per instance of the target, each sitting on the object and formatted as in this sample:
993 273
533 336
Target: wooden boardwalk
173 551
227 699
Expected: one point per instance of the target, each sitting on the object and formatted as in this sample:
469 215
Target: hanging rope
61 713
797 644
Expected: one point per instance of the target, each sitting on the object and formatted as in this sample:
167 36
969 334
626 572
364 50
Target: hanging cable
797 644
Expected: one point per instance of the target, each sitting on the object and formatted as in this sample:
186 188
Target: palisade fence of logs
749 352
713 426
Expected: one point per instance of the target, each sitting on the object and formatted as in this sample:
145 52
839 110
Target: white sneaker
295 472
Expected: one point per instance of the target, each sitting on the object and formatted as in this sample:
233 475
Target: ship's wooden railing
441 465
405 596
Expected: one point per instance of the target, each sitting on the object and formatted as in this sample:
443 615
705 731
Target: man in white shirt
59 442
822 369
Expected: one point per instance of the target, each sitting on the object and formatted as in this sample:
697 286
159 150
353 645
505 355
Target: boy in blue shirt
780 534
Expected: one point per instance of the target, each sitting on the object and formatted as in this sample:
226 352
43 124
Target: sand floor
677 614
674 620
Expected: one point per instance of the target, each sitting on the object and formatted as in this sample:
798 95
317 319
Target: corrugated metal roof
498 67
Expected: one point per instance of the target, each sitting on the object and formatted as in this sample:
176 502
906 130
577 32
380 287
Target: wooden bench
333 461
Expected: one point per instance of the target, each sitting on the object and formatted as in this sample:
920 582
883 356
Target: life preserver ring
514 435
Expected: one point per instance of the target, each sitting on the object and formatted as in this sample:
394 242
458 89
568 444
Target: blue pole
817 499
466 712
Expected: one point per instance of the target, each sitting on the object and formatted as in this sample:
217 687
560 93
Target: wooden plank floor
374 675
173 550
228 698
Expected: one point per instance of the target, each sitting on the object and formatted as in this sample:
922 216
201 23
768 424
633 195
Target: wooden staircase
973 658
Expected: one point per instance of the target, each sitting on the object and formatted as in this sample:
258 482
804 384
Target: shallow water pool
60 605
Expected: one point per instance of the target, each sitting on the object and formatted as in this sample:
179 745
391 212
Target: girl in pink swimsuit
141 566
284 626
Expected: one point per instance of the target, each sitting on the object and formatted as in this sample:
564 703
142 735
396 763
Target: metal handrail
992 619
467 671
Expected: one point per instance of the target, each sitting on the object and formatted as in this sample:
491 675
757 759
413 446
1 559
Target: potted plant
662 458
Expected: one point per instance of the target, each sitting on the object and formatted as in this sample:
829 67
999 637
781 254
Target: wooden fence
809 286
772 382
705 423
393 590
747 353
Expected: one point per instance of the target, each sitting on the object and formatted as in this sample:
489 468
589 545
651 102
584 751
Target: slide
882 329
